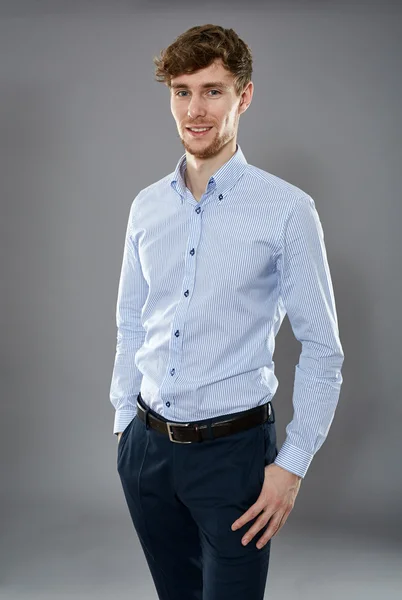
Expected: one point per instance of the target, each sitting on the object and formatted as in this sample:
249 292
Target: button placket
186 294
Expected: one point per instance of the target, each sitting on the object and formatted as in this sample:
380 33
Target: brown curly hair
199 47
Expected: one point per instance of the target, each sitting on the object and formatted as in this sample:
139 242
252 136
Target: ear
246 97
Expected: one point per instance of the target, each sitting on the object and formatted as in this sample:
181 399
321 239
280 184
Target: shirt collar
221 181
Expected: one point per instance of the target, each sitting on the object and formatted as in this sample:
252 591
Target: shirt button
192 251
167 403
186 293
220 196
198 209
177 333
172 371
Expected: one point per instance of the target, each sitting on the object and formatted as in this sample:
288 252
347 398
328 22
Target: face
207 98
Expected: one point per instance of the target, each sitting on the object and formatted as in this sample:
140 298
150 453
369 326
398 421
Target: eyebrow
202 86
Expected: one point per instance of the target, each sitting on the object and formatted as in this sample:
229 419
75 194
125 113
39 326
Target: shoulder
156 188
276 186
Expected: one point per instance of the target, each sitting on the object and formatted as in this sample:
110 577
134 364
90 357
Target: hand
276 501
118 437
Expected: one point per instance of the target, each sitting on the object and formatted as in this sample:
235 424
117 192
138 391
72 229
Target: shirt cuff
293 459
123 417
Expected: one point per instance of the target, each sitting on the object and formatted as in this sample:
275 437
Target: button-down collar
221 181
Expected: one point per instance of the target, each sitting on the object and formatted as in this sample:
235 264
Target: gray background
84 127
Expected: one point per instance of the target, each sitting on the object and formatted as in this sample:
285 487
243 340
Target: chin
204 150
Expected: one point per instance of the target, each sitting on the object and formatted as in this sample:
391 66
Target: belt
187 433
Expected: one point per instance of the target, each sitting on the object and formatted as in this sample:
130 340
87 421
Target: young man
216 254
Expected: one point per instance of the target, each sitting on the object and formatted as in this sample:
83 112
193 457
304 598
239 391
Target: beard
203 149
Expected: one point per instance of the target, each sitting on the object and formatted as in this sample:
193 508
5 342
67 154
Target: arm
308 297
132 293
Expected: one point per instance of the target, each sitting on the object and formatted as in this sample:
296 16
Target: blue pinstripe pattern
203 290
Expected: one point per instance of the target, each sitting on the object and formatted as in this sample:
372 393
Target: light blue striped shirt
203 290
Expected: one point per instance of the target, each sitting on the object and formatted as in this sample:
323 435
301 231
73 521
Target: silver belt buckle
171 432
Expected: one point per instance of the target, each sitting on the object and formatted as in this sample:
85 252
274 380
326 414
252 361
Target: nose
196 108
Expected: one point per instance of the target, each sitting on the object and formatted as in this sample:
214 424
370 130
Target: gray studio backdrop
84 127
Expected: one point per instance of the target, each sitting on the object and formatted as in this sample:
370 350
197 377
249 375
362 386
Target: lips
199 133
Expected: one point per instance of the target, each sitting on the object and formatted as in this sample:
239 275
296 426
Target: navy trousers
183 499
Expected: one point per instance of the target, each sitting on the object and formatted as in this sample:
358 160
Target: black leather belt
187 433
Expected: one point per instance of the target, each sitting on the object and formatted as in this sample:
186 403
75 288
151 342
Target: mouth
196 134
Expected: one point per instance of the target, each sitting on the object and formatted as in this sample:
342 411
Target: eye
185 92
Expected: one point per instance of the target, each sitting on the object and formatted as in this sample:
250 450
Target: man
216 254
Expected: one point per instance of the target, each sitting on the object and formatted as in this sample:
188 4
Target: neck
198 171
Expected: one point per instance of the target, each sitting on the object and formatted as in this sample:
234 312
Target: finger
273 528
284 518
257 526
252 512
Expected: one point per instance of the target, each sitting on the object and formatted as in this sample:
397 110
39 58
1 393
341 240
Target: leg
168 535
221 479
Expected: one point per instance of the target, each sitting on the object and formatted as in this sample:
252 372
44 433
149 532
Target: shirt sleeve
308 298
131 296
